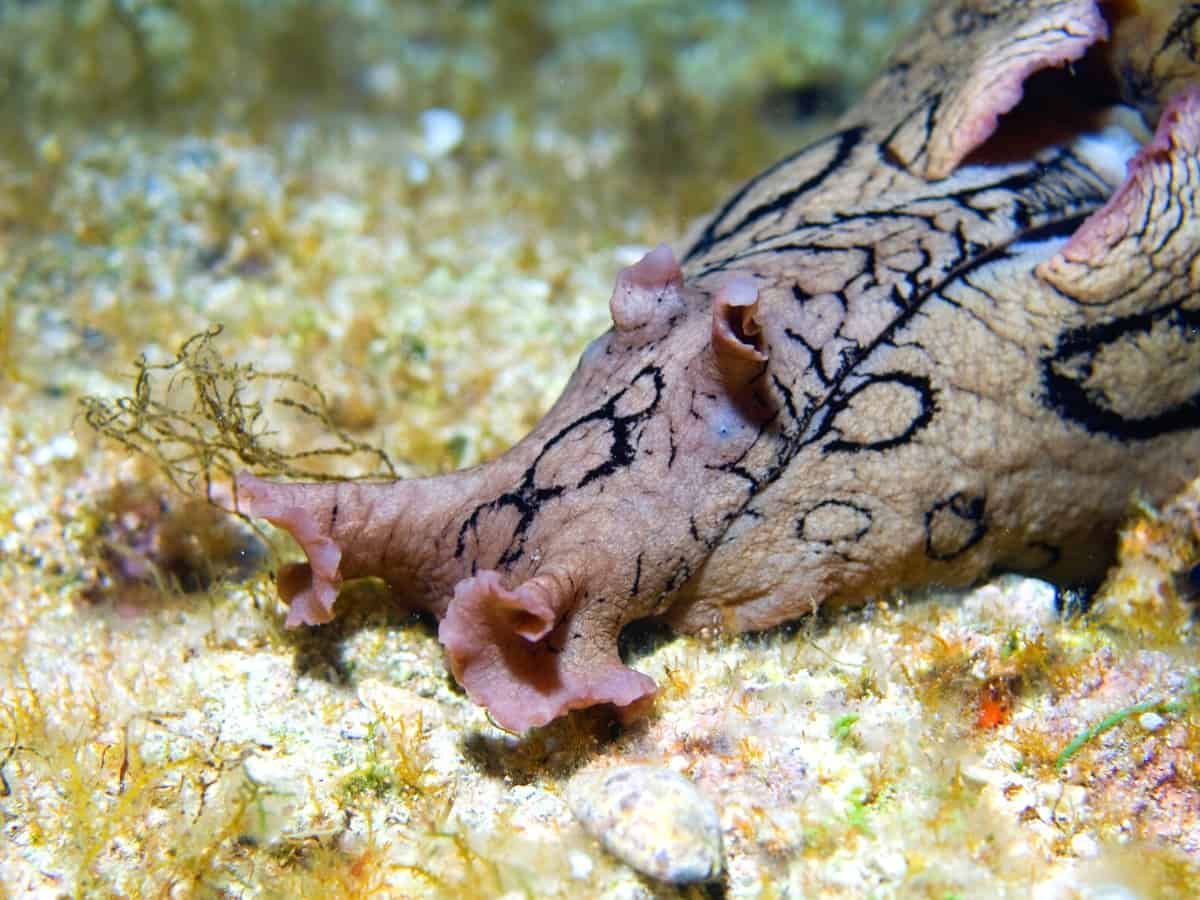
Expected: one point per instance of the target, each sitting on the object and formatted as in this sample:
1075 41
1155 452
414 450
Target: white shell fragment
653 819
442 130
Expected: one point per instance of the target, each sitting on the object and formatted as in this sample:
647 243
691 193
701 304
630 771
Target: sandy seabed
426 222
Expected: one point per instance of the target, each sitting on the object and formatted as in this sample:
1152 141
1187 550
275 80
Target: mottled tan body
1005 404
933 343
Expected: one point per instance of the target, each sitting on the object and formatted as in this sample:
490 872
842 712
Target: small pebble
655 820
50 149
417 170
892 865
356 725
442 130
1151 721
1085 846
62 446
581 865
1109 891
385 81
1014 601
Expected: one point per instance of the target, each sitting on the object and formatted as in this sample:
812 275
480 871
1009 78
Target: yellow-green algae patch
164 170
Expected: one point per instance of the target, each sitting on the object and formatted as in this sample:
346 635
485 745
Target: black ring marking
1070 399
950 514
853 508
919 384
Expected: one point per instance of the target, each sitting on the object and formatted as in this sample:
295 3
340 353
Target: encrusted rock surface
652 818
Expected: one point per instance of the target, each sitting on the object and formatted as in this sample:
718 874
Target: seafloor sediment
420 208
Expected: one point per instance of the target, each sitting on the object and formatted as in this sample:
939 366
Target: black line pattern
528 498
1065 391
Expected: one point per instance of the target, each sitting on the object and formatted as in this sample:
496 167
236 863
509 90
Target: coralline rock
1014 601
653 819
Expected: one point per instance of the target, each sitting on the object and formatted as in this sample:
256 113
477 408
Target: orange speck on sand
994 705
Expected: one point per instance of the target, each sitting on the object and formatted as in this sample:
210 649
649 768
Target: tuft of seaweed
200 419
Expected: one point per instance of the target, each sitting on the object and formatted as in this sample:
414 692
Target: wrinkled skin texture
940 341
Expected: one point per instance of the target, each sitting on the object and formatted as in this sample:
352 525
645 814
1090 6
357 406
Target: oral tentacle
501 651
397 531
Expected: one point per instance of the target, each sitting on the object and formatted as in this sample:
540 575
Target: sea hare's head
535 561
602 512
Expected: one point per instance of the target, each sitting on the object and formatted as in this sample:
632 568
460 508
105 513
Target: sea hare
955 335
